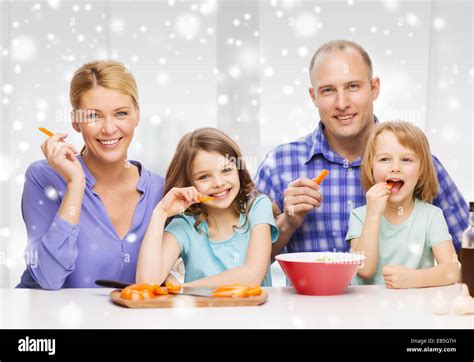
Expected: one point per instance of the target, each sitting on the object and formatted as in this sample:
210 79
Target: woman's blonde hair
409 136
102 73
179 172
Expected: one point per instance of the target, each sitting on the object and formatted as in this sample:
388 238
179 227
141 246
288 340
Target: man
343 89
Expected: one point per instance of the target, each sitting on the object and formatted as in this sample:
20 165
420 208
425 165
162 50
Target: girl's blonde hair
409 136
102 73
179 172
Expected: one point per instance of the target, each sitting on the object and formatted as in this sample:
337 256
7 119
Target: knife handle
111 283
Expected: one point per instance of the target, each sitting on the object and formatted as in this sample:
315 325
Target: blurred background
241 66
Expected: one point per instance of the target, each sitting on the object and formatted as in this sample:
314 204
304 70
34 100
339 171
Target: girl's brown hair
179 172
102 73
409 136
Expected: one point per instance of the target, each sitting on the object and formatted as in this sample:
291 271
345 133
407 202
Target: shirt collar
144 176
90 180
142 182
319 146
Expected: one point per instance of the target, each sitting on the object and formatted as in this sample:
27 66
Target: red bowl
323 273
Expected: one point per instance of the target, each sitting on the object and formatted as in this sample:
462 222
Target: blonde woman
87 213
400 232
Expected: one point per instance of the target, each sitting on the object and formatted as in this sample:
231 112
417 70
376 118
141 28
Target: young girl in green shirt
399 231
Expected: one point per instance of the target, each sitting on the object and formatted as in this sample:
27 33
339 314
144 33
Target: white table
359 307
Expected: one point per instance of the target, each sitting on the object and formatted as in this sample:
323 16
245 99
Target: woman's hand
377 197
177 200
61 156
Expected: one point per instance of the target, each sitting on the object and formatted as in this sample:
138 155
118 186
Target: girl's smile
222 194
214 175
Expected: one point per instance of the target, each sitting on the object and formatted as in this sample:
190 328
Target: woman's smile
110 143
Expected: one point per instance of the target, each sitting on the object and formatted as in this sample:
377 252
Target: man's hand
301 196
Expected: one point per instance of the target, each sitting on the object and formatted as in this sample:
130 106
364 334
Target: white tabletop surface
359 307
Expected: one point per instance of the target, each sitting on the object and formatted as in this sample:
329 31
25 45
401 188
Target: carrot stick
46 131
205 198
321 176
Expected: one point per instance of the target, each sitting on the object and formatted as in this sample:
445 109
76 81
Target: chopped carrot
157 290
390 184
132 294
321 176
227 287
254 291
236 291
172 289
142 291
150 291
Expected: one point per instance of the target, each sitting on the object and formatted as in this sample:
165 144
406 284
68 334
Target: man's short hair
341 45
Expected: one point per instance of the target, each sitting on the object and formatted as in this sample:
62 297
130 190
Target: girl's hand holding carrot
177 200
377 198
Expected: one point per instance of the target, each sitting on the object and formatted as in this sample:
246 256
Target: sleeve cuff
63 225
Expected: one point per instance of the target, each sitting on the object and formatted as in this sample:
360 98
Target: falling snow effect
131 238
7 88
187 26
306 25
177 53
117 26
222 99
51 193
23 49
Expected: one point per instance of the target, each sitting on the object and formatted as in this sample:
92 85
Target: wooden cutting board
188 301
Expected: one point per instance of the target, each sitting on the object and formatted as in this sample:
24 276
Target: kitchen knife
194 291
111 283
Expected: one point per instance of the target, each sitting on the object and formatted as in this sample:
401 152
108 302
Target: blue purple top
62 255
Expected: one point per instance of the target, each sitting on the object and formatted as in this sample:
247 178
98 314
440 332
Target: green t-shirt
407 244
